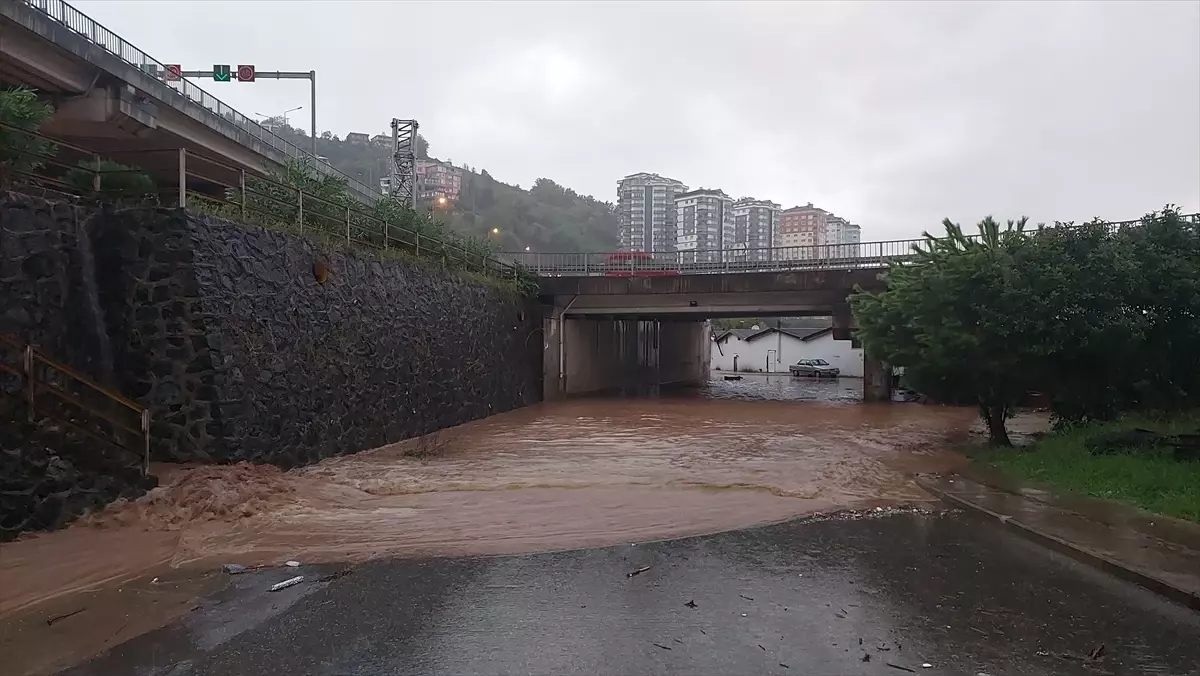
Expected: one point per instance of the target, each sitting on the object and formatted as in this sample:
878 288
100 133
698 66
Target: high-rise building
646 212
755 228
851 234
704 225
804 226
835 226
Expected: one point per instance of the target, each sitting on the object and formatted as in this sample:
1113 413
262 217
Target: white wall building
704 225
771 350
646 212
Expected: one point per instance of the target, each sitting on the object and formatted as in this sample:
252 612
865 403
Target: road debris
745 597
50 622
784 665
639 571
287 583
1096 653
691 604
292 564
901 667
333 576
926 666
866 657
659 645
234 568
761 646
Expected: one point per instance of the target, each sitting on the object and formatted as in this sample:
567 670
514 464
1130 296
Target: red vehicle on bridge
636 264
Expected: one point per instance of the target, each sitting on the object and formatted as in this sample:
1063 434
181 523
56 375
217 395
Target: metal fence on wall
65 169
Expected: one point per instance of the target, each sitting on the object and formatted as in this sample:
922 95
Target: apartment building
805 226
646 212
437 179
703 224
755 228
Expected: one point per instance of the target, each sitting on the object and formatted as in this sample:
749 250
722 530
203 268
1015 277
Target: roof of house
741 334
805 333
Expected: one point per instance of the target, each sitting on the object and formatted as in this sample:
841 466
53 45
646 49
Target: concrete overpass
626 332
656 303
109 98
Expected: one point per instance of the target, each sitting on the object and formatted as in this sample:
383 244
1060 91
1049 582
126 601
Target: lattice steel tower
404 162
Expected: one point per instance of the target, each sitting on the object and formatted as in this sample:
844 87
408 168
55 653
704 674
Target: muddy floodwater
579 473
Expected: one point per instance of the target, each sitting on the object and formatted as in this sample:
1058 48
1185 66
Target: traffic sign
221 73
245 73
172 72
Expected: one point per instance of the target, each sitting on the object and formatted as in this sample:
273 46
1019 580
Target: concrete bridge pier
877 380
877 376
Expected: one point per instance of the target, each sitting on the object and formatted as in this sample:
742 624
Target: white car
814 368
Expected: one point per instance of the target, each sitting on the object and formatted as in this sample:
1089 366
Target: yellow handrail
32 358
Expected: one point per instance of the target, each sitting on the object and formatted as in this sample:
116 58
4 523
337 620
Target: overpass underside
105 103
632 356
624 334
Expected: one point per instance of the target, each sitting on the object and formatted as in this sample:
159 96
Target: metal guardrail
79 23
773 259
47 386
71 170
827 257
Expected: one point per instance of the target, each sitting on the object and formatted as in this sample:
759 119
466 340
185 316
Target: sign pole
248 73
312 80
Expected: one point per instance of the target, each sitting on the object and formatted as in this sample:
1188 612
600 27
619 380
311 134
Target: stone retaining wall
249 344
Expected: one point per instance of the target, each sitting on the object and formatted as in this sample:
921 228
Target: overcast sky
893 115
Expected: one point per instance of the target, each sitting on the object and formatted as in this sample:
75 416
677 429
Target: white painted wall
722 356
752 355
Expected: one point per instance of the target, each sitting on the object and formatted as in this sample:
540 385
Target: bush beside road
1147 476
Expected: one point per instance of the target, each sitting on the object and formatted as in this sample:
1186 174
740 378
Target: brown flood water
581 473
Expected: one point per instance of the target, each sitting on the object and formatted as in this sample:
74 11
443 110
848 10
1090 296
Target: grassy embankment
1151 480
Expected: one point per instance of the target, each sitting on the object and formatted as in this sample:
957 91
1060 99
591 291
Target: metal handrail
852 255
32 359
65 14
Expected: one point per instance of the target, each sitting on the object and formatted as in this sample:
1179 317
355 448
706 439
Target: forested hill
546 217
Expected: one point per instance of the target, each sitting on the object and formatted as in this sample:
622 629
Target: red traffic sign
245 73
172 72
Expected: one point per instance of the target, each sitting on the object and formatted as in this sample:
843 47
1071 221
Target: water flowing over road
579 473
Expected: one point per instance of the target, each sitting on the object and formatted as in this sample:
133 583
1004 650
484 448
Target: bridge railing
816 257
827 256
81 24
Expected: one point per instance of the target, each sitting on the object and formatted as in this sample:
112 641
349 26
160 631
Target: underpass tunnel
638 354
628 355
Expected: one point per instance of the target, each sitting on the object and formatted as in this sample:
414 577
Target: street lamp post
283 115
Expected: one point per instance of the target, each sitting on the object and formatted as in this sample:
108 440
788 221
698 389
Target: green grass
1154 482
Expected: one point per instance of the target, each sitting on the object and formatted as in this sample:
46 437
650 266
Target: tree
950 318
21 108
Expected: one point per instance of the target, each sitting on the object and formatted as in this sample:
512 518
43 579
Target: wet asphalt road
962 595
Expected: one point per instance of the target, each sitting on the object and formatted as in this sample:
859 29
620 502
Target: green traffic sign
221 73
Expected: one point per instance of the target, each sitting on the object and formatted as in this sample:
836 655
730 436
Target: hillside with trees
546 217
